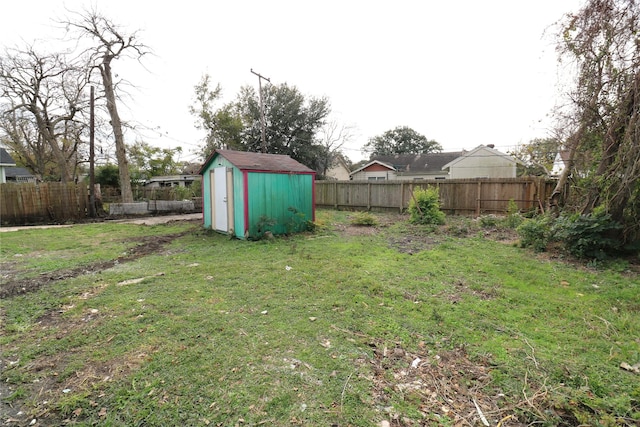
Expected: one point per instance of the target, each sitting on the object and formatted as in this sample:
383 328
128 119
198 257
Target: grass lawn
123 325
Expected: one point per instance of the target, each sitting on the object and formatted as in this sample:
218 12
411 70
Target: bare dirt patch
144 246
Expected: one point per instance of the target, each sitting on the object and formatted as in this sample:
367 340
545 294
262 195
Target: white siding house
483 162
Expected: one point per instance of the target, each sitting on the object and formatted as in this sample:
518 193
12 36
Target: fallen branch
482 417
533 350
344 388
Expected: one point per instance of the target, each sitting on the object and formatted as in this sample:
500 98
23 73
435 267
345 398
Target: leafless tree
333 136
109 43
41 97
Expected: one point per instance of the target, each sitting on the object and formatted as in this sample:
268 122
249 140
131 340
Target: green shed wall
271 195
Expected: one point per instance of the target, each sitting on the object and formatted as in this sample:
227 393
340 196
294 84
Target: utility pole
92 175
264 134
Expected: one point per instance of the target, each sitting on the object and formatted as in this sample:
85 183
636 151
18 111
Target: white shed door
220 202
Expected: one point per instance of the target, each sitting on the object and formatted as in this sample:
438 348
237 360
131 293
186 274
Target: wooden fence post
479 200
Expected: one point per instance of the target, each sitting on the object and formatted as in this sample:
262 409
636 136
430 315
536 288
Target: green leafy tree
291 121
108 176
146 161
601 41
223 126
401 140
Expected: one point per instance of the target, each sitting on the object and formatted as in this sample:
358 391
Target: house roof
5 158
414 163
473 152
420 163
374 162
245 160
15 171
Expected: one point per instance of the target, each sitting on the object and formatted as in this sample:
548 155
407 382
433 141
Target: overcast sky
463 73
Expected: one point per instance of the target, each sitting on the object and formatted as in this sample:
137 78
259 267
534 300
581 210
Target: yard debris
313 319
451 388
481 414
635 368
288 268
131 281
264 312
138 280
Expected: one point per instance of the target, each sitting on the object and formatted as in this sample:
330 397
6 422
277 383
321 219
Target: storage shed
245 194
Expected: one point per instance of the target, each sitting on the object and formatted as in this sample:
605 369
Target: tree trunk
116 124
556 201
45 129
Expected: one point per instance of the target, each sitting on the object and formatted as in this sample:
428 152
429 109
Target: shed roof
5 158
245 160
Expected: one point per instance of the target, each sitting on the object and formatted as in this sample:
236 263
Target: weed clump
424 207
536 233
364 219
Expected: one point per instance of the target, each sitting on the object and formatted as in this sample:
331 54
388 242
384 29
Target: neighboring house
560 162
375 170
483 162
405 167
246 194
338 170
172 181
6 161
18 174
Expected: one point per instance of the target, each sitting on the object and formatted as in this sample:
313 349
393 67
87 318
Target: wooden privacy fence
112 194
457 196
30 203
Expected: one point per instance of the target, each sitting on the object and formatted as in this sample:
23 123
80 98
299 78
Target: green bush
365 219
489 221
536 233
299 222
513 218
594 235
424 207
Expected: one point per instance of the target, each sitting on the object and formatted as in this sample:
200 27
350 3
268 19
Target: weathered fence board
30 203
459 196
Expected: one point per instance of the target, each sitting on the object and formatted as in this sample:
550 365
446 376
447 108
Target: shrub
536 233
365 219
489 221
589 236
298 222
424 207
513 218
